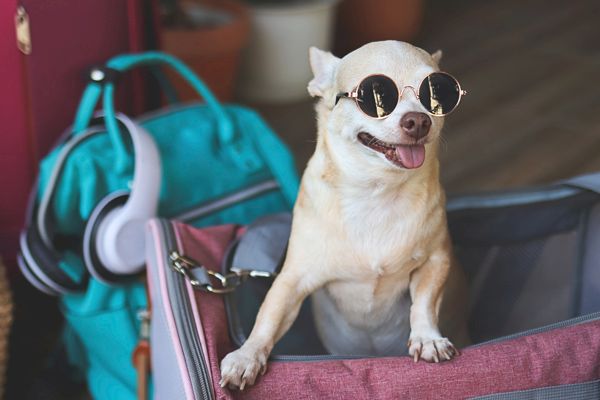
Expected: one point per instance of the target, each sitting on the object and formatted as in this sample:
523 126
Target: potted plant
275 65
361 21
208 35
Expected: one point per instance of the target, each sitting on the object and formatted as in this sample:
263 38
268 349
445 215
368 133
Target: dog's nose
415 124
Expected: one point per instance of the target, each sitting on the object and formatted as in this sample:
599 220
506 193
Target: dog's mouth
402 155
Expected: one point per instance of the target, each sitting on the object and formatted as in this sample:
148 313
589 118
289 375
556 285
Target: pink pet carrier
533 261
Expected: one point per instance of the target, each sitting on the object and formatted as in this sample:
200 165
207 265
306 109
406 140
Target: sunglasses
377 95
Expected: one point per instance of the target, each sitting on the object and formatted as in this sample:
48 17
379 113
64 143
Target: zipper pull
201 277
181 262
22 31
141 355
144 318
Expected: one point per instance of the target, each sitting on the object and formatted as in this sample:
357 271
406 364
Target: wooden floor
532 115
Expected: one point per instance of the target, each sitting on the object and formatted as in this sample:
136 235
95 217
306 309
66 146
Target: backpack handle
128 62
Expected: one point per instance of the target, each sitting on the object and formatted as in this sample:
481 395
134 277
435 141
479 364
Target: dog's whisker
444 143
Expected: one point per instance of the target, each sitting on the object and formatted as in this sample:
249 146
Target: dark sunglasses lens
439 93
377 96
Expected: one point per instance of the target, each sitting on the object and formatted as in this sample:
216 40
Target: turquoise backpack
220 164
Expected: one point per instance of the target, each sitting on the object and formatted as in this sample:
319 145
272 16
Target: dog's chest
386 233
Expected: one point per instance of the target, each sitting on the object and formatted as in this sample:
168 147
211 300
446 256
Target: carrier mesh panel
526 263
590 269
519 286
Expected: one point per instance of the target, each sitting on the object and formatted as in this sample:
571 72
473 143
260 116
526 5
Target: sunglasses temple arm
339 96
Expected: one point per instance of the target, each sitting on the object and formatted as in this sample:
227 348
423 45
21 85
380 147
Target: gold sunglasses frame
354 94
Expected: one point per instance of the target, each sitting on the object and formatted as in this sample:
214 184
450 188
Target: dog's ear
323 65
437 56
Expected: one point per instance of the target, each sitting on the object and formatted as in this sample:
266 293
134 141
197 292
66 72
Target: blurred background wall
532 114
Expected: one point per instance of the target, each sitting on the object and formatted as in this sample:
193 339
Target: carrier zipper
182 313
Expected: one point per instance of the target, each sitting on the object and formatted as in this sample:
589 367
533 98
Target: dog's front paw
431 349
241 367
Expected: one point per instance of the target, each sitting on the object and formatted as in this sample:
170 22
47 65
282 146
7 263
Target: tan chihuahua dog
369 235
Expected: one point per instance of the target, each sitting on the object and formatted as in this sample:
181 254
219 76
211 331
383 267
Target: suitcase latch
22 31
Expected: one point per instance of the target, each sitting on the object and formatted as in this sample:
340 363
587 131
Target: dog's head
400 141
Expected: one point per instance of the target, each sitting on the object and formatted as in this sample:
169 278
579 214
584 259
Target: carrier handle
126 62
587 181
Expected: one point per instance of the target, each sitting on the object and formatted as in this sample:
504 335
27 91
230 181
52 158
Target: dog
369 238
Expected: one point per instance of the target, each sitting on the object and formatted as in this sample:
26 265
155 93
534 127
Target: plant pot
360 22
211 50
275 66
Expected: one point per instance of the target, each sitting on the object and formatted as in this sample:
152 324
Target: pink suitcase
67 38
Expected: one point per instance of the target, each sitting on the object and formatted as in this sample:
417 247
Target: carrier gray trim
588 182
505 199
561 324
556 191
575 391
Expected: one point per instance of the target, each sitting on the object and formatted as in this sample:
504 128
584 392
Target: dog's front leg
276 315
426 290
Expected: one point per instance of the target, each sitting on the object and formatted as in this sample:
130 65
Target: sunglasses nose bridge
412 89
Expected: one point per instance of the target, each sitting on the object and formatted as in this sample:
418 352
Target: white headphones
113 242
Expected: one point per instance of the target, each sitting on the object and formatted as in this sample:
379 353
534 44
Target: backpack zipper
227 201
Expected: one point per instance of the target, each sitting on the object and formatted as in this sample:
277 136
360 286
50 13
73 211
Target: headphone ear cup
41 265
32 277
92 235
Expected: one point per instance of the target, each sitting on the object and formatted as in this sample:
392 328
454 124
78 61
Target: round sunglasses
377 95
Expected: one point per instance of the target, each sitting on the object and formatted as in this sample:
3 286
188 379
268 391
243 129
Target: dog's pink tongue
411 156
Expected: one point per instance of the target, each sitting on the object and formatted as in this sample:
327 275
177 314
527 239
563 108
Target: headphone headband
39 258
115 230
